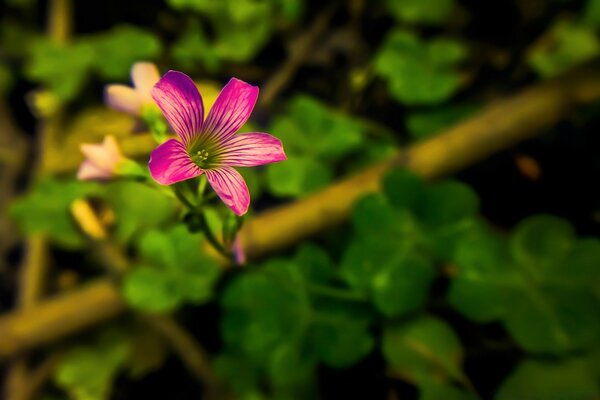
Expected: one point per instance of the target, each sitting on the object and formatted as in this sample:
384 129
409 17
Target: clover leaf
419 71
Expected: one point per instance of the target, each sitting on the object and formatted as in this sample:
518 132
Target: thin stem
201 188
182 198
212 239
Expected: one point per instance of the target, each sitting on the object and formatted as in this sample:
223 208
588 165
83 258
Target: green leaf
290 367
542 306
314 263
149 289
374 214
87 372
427 12
554 320
542 240
118 49
193 48
537 380
447 203
423 124
63 68
138 208
566 46
419 72
46 209
312 129
423 349
403 287
486 283
403 189
297 177
179 271
265 309
341 340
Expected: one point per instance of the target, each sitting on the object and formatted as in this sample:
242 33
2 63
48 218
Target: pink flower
210 146
102 160
133 99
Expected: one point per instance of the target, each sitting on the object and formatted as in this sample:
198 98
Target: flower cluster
208 146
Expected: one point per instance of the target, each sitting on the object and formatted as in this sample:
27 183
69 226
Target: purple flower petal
230 187
170 163
231 109
122 98
181 103
251 149
144 76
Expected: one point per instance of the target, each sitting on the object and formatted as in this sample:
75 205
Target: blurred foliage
312 155
241 29
46 210
565 45
428 12
420 71
174 270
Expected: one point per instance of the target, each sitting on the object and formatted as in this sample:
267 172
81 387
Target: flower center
199 157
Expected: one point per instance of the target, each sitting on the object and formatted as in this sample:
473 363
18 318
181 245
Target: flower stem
212 239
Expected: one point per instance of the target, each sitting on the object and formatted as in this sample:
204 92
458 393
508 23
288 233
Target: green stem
212 239
182 198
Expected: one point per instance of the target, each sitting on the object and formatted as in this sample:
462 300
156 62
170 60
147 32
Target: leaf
341 342
314 263
554 320
537 380
403 189
419 72
87 372
312 129
264 310
374 214
138 208
149 289
423 124
118 49
564 46
46 209
427 12
487 282
178 271
61 67
542 240
542 306
297 177
447 203
422 349
403 287
291 368
193 48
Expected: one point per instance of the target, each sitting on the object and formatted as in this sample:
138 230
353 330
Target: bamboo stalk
497 127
